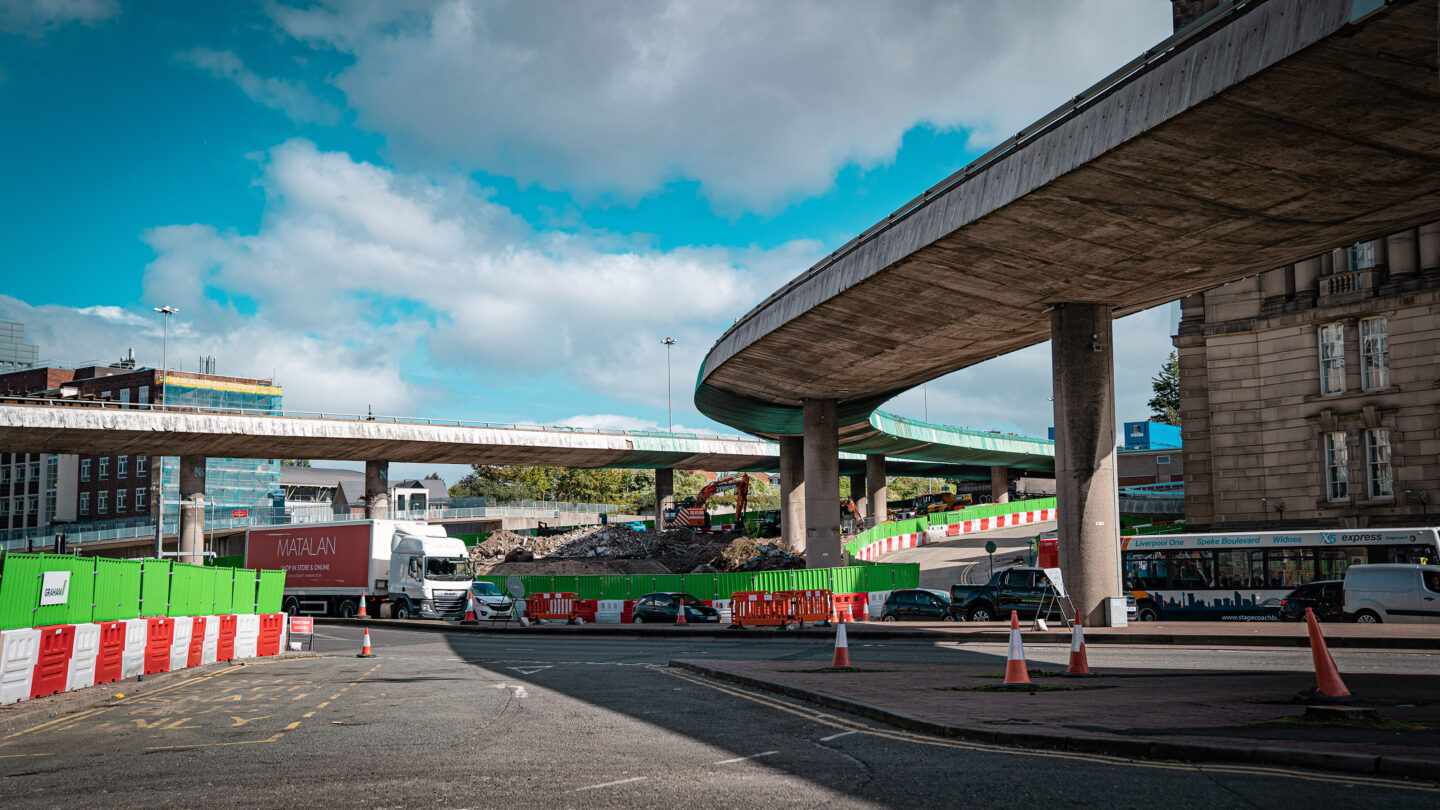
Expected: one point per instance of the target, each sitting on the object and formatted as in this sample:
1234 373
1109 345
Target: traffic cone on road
842 649
1327 675
470 609
365 648
680 614
362 614
1015 672
1078 664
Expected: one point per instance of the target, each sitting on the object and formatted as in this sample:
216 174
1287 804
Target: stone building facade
1310 394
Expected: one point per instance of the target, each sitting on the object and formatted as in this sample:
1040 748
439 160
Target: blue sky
498 210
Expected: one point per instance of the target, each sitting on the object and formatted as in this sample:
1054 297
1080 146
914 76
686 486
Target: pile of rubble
677 550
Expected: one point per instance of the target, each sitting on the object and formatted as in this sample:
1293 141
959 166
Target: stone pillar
664 495
191 539
1084 373
377 490
1000 484
822 490
878 495
1402 254
792 492
1429 248
862 502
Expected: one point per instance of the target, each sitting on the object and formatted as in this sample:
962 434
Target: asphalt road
482 721
963 561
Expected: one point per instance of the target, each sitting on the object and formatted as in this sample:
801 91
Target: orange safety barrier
759 609
553 607
850 607
272 626
197 641
52 668
225 647
109 661
809 606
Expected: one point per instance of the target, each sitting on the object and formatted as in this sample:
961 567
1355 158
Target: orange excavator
690 513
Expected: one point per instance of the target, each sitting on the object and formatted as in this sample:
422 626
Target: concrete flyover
1265 133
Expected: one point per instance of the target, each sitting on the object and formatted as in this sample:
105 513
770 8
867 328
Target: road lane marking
742 759
17 756
612 784
904 736
65 719
838 736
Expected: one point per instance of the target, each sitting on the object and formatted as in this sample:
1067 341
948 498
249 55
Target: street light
669 414
165 311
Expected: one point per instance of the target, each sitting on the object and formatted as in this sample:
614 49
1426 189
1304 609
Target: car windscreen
486 589
452 569
690 601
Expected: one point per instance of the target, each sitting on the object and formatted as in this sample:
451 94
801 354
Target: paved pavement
465 720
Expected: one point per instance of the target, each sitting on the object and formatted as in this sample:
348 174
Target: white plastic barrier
877 604
723 606
609 611
132 663
19 650
180 643
211 646
247 635
83 657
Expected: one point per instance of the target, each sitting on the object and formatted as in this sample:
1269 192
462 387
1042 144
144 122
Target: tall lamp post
166 311
669 414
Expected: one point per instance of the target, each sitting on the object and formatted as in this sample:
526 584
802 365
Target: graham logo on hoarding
304 546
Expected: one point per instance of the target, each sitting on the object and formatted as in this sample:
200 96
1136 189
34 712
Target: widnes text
304 546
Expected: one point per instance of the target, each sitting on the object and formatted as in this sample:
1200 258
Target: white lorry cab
429 574
1400 593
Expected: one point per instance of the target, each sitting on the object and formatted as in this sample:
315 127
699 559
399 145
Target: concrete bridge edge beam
822 487
190 539
1082 357
878 494
792 492
377 490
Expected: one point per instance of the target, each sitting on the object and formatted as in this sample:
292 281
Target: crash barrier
709 587
877 604
610 611
901 534
850 607
36 662
40 590
552 607
813 606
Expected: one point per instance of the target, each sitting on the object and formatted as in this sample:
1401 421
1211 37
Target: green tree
1165 406
294 462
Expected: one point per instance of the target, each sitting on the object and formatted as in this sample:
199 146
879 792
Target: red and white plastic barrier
180 642
18 651
886 545
247 635
609 611
132 661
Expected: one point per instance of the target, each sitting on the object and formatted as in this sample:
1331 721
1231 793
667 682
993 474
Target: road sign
303 625
990 546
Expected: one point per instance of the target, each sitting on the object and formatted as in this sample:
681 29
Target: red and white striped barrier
886 545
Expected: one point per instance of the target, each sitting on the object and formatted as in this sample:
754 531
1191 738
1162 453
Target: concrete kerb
864 631
1081 743
29 711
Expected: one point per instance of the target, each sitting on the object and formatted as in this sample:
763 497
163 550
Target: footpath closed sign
303 625
55 589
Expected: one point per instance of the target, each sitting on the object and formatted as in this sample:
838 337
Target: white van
1393 593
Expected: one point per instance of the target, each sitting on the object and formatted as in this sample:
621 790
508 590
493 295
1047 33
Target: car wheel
888 617
947 618
292 606
1367 617
981 614
402 610
1148 613
637 620
348 609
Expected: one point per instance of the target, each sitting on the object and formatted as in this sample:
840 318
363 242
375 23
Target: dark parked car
1326 598
663 608
917 605
1021 589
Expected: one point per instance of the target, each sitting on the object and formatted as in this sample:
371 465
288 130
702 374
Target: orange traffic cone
470 609
1015 672
680 614
362 614
365 648
842 649
1078 664
1327 676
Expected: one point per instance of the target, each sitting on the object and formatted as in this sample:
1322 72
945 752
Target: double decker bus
1238 576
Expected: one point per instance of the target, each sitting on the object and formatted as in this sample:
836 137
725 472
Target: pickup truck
1022 589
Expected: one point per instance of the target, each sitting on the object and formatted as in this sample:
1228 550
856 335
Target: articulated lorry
407 569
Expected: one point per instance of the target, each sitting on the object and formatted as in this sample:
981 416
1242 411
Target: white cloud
761 102
35 17
292 98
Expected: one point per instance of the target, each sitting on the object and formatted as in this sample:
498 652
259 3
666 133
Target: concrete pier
377 490
1000 484
1084 374
822 488
878 494
664 495
861 499
792 492
191 540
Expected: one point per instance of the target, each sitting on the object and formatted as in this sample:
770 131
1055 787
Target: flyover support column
792 492
1084 374
377 490
190 542
822 490
861 499
1000 484
664 495
878 495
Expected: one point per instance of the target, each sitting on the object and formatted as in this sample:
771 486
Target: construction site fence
101 589
896 528
850 579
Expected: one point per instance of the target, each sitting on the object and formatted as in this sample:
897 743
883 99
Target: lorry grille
450 604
